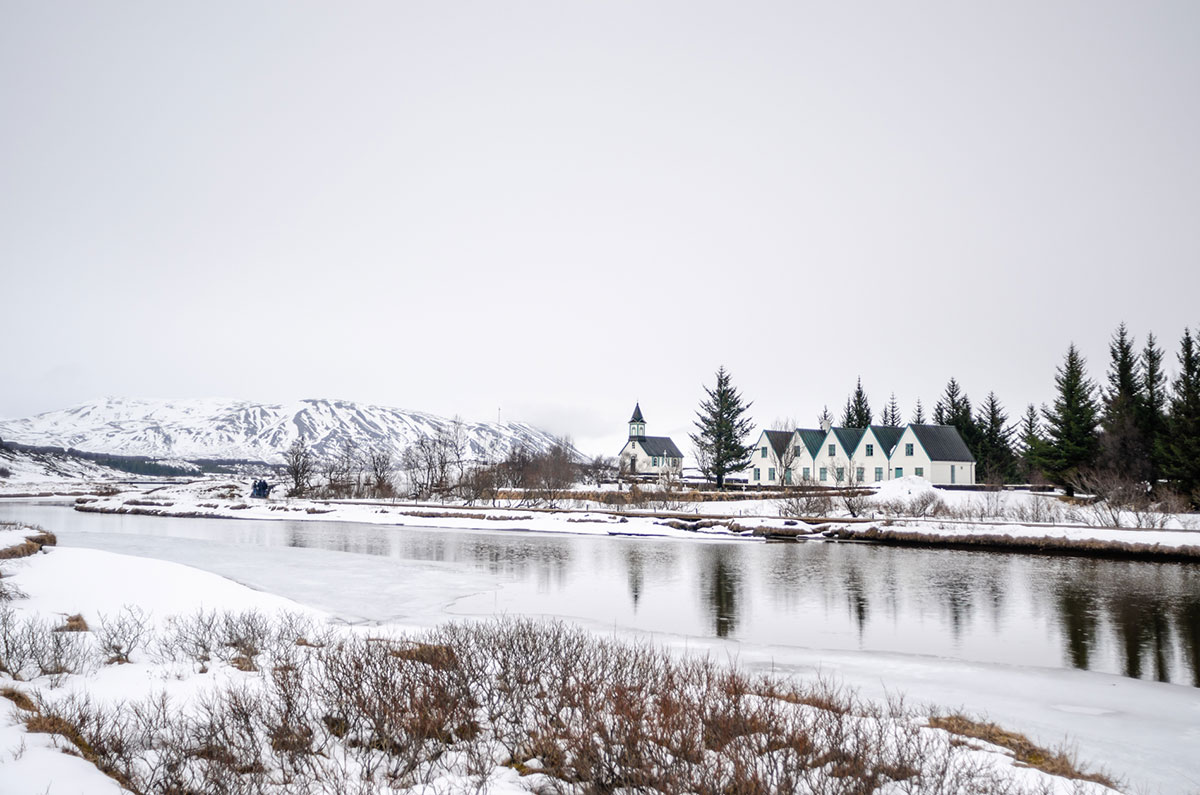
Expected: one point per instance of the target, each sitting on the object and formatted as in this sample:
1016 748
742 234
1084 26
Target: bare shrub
121 634
806 501
383 713
1037 510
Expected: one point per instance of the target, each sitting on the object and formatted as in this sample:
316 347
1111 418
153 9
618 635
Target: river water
1133 619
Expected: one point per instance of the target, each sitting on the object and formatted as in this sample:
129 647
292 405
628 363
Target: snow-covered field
98 586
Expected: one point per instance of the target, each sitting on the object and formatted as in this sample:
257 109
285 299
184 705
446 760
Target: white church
648 455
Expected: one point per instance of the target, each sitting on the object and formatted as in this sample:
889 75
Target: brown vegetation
1008 543
1056 762
578 713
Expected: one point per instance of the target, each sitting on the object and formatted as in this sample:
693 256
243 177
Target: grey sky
561 208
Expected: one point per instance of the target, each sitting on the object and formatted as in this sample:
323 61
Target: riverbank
316 744
744 520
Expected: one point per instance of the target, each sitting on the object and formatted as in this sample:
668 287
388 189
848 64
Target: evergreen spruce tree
918 417
954 408
1123 447
1154 406
857 413
891 413
996 460
1071 442
722 430
1029 440
1180 448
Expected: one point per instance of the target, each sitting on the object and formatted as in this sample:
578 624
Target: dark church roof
942 442
660 446
637 413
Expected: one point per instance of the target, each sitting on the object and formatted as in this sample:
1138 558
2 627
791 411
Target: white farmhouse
648 455
936 453
872 459
853 456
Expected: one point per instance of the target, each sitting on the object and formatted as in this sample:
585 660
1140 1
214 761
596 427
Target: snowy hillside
229 429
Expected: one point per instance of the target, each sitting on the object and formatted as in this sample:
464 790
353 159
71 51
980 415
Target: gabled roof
942 442
660 446
849 438
779 441
888 436
637 413
813 439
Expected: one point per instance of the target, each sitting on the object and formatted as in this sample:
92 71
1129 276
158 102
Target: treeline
442 466
1137 433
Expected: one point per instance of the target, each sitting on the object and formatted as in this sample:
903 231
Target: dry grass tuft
1056 762
19 698
75 623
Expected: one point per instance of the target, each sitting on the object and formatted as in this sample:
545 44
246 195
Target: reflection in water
1077 611
1188 620
635 566
856 598
720 585
1139 619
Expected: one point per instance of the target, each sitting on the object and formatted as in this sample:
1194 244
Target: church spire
637 423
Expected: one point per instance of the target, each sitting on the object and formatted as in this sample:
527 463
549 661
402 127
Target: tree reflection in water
721 586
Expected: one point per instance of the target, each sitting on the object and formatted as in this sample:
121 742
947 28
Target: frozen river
1054 646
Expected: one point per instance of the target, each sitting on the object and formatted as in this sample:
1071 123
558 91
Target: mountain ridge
212 428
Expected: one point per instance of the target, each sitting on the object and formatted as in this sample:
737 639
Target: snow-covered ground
962 515
96 585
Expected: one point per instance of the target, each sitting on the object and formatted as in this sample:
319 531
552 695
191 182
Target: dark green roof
848 438
813 439
942 443
637 413
888 437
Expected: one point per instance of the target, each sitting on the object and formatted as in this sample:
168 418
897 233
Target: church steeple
637 423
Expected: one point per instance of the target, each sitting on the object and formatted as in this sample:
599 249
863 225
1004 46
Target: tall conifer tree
891 413
954 408
1181 443
918 417
1154 405
996 460
1071 442
1124 449
858 410
722 431
1029 440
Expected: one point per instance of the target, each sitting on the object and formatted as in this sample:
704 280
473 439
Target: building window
787 476
859 475
756 477
870 450
807 473
832 450
796 451
841 474
823 474
771 474
919 472
764 452
899 472
878 474
908 449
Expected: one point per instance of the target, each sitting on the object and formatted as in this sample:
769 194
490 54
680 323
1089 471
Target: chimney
825 425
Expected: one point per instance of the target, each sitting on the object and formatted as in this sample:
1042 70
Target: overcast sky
558 209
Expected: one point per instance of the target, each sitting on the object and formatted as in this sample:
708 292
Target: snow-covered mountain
231 429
